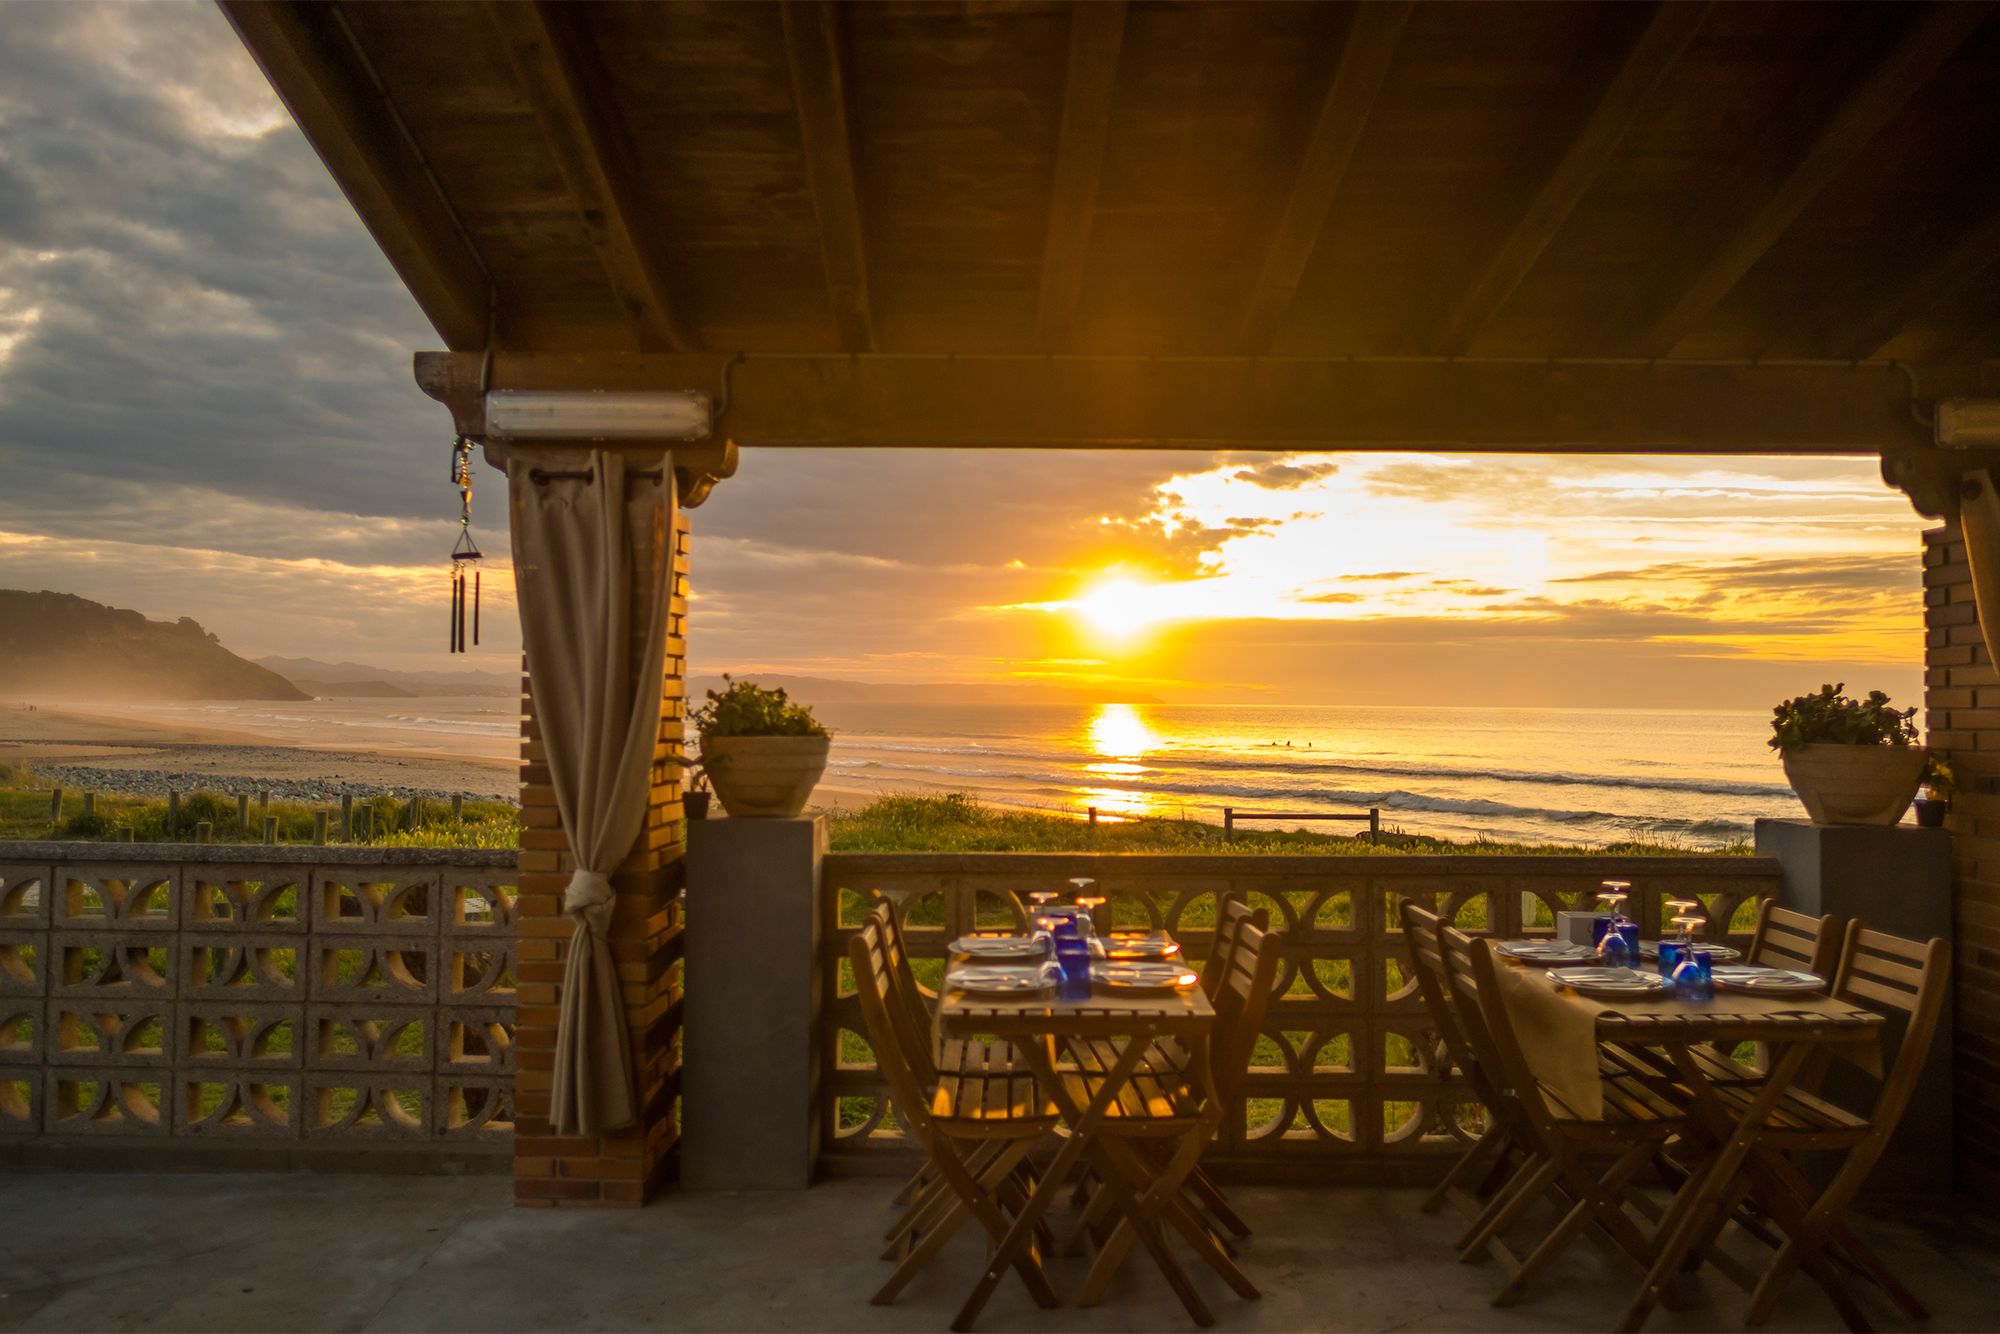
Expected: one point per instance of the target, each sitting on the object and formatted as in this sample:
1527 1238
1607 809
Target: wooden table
1040 1027
1560 1030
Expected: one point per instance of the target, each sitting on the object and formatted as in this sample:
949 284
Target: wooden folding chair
976 1128
1887 974
1635 1123
1148 1135
1488 1154
1782 939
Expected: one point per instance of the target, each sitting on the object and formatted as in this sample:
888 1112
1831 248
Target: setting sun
1119 607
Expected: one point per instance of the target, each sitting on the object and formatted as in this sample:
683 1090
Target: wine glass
1691 978
1678 911
1090 903
1614 947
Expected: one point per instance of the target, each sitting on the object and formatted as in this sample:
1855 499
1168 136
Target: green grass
24 814
958 823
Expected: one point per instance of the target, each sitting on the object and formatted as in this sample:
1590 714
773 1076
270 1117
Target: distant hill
301 670
58 645
351 689
826 690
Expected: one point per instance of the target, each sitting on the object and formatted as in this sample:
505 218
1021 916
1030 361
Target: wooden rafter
307 55
1365 55
819 83
562 79
1275 403
1603 116
1748 208
1096 31
1976 253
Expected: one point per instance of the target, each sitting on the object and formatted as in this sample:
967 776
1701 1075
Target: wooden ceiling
655 186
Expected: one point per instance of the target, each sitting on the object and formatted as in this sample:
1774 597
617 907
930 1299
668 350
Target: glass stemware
1617 947
1691 977
1090 902
1679 911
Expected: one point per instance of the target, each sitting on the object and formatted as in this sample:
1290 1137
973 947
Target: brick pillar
1962 717
623 1168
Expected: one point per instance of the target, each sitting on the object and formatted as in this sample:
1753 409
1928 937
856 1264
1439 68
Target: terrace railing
256 1006
1345 1080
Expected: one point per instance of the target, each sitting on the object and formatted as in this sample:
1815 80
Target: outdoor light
1967 423
532 414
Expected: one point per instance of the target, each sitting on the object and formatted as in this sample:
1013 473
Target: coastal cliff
58 645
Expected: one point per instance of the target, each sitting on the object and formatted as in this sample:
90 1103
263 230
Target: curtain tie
589 890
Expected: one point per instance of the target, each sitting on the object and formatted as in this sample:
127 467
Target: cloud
1285 474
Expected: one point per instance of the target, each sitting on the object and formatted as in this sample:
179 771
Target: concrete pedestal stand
750 1047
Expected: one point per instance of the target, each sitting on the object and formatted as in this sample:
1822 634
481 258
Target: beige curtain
1979 519
592 568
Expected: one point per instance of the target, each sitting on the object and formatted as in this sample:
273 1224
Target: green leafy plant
745 708
1939 781
1833 718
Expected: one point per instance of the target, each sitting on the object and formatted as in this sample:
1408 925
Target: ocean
1571 776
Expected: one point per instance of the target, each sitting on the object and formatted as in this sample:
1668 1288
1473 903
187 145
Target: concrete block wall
1962 712
625 1167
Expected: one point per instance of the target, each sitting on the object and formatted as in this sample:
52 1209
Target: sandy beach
112 748
107 749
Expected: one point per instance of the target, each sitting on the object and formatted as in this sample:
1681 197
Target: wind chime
464 553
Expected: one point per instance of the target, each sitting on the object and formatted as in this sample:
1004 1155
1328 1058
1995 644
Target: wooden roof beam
1372 36
1600 119
819 84
324 81
1705 270
562 76
1975 253
1096 32
1268 403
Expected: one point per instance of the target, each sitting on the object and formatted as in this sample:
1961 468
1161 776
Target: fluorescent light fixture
1968 423
534 414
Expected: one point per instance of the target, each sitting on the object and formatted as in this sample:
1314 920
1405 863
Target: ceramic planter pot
695 805
1855 784
763 775
1931 812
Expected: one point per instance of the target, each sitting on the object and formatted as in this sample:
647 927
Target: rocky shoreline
159 782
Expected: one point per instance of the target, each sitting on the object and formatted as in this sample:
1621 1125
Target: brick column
623 1168
1962 717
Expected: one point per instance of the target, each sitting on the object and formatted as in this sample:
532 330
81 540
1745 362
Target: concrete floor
406 1253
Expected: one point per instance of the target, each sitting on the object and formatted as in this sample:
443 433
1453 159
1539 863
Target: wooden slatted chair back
1787 939
895 1052
1489 1033
1232 914
907 997
1892 975
1422 929
1242 999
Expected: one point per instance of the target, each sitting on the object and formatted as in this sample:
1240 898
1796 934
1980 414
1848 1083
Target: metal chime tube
475 608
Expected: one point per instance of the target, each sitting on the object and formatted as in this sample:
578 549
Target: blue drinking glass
1629 929
1598 926
1670 954
1692 979
1073 957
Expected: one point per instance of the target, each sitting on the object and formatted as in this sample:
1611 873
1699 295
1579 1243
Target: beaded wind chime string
465 553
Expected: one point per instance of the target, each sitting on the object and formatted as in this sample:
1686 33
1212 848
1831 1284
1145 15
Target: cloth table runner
592 569
1557 1028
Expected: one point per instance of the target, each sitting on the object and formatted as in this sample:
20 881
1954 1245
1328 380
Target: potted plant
694 801
762 752
1852 761
1939 785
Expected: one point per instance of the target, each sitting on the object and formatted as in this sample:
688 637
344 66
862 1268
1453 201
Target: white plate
997 980
1546 953
1768 981
1143 976
996 949
1611 983
1155 946
1650 949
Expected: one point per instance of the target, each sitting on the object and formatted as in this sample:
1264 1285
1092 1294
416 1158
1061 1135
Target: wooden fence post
319 829
458 808
243 811
1374 824
55 806
89 805
1228 824
347 817
173 813
204 831
270 829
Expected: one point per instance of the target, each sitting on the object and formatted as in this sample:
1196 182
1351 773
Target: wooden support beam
563 78
307 54
1096 32
1276 403
1365 54
1751 205
1599 119
819 83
